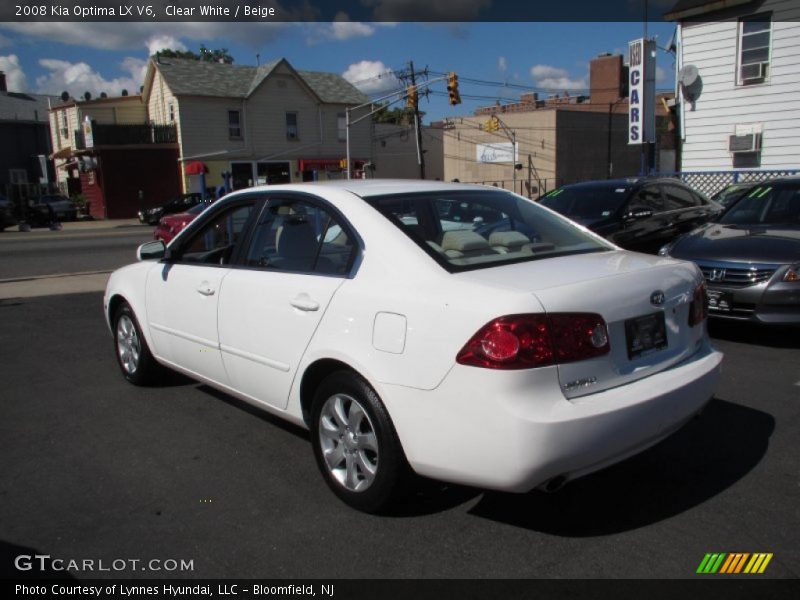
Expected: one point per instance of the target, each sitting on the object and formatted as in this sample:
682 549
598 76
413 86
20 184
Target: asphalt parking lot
95 468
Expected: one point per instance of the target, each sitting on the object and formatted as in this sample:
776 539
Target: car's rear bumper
515 430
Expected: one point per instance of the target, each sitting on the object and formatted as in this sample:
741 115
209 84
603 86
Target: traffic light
492 124
452 89
412 97
343 163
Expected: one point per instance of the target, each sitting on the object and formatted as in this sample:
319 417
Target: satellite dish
691 83
688 75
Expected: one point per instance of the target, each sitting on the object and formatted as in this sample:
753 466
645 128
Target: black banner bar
326 11
353 589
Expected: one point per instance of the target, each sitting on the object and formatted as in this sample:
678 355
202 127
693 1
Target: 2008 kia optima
377 315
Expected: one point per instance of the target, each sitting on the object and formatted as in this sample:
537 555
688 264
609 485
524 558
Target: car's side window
648 197
677 198
214 243
299 236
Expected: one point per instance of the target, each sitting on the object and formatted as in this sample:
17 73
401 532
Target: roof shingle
198 78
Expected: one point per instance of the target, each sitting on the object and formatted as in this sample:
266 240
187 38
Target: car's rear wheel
133 354
355 444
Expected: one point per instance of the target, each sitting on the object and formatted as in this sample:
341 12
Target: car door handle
303 302
206 290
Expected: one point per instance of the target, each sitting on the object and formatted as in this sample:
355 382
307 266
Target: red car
171 225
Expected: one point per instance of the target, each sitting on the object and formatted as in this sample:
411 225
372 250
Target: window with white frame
171 112
341 125
234 125
755 33
291 126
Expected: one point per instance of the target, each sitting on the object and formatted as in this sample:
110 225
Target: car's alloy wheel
348 442
133 355
355 443
129 348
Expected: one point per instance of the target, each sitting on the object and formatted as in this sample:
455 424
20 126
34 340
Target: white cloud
371 77
161 42
78 78
556 79
15 76
502 64
664 76
341 29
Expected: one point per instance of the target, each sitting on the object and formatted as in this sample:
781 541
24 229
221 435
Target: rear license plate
720 301
645 335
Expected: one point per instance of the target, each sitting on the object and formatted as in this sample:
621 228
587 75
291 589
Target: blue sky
551 57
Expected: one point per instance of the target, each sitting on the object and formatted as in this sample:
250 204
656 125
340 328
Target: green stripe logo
730 563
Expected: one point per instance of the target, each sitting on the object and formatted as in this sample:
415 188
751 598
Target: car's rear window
473 229
587 201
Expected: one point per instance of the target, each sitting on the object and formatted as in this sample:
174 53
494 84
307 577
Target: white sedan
516 351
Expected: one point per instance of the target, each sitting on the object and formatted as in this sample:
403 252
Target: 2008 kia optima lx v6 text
375 314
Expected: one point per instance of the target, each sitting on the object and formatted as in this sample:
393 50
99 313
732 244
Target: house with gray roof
269 123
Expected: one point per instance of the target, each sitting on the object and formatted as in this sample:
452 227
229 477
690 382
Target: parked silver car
750 257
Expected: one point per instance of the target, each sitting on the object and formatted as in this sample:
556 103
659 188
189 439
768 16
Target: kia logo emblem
657 298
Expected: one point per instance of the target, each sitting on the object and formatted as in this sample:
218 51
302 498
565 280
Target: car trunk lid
634 293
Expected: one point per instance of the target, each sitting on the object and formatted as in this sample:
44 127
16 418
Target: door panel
182 305
643 234
183 296
266 320
270 307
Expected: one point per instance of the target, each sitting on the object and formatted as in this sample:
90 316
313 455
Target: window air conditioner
745 143
754 72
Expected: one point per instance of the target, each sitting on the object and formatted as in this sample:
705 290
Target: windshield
766 205
730 194
587 201
465 230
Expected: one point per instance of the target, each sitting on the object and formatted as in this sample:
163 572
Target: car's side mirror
638 212
151 251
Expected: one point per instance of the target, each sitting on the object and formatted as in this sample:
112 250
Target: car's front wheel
355 444
133 354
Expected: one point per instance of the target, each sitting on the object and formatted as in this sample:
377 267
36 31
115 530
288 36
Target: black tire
146 371
392 474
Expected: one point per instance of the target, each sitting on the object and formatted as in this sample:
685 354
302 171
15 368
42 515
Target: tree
396 116
205 54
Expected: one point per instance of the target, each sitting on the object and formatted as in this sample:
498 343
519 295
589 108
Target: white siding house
747 56
264 124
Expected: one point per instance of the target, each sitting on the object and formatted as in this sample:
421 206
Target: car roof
375 187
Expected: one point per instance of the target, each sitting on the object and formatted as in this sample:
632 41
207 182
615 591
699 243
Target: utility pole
417 125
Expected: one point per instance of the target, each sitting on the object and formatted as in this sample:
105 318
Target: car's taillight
698 309
532 340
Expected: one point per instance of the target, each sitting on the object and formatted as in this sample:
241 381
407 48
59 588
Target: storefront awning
63 153
325 164
195 167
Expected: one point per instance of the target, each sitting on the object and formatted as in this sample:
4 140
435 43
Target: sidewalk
98 224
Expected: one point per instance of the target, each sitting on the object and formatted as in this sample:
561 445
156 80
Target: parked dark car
7 218
636 214
50 208
730 194
180 204
750 258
